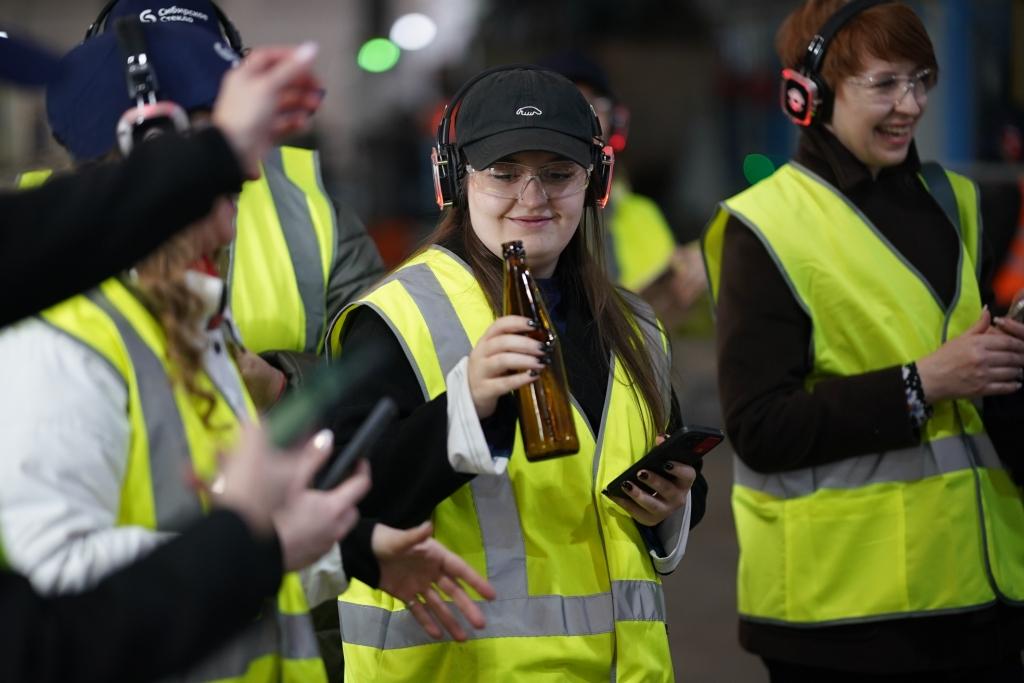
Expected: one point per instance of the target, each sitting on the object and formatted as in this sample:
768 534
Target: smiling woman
872 510
580 596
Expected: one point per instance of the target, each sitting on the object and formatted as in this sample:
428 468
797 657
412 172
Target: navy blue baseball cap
195 13
25 62
85 103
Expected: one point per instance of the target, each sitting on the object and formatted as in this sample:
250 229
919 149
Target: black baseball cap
521 110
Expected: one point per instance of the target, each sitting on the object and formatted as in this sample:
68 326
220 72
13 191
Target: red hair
890 31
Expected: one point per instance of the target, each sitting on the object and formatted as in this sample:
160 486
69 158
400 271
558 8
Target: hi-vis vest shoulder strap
168 436
578 595
930 529
281 259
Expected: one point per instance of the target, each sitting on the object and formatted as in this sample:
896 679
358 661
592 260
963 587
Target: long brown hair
583 276
161 282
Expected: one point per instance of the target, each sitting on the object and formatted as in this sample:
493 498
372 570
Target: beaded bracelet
919 408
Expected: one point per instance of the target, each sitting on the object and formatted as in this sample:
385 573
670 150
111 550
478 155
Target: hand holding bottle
502 361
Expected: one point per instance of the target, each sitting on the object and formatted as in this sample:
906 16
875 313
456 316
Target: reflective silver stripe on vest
289 636
493 497
533 617
303 246
944 456
174 503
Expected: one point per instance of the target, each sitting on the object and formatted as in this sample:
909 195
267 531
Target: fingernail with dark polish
668 467
626 486
534 373
546 359
543 346
644 474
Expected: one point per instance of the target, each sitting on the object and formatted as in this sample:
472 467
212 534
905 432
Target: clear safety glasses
509 180
891 89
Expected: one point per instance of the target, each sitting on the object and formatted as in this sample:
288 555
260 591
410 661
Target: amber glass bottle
545 414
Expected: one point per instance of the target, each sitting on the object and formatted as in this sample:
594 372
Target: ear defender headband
150 116
805 96
449 168
231 33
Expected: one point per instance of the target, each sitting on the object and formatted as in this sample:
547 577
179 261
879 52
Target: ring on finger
412 602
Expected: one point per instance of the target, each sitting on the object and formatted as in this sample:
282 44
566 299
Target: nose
909 101
533 193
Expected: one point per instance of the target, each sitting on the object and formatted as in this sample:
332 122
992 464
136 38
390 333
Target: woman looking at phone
580 597
879 531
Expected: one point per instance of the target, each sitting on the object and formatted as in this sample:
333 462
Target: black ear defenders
449 167
231 33
805 96
150 116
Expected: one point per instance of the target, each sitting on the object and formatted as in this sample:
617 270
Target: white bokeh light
413 31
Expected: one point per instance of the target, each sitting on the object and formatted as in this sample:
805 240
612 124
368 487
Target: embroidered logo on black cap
528 111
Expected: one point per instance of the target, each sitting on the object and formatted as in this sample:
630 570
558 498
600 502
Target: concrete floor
701 594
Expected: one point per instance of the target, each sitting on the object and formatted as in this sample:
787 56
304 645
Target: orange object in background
1009 278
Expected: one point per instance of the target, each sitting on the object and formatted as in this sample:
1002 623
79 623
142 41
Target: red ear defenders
804 95
449 167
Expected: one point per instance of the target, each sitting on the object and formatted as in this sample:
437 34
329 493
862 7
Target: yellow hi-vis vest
280 262
641 241
281 259
578 597
168 436
932 529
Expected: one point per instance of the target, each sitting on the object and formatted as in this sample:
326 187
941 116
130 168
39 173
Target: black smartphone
688 446
382 415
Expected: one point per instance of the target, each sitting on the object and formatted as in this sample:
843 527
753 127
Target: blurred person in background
112 394
881 536
578 574
642 252
298 257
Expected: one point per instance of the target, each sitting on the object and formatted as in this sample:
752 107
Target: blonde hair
180 311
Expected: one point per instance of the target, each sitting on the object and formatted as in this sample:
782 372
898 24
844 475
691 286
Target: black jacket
153 618
79 229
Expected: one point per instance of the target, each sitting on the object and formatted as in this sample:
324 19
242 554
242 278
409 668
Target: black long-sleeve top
156 617
79 229
777 425
411 471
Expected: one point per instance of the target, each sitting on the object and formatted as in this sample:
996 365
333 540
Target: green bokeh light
757 167
377 55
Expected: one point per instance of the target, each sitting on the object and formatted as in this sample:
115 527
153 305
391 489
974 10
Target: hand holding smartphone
688 446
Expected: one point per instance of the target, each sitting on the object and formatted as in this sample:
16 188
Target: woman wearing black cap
879 530
579 595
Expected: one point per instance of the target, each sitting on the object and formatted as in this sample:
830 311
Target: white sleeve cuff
324 579
468 451
673 534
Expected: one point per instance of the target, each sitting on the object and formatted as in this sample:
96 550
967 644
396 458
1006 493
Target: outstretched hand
270 94
416 569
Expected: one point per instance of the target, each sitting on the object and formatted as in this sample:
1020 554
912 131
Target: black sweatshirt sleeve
411 472
764 340
79 229
151 619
